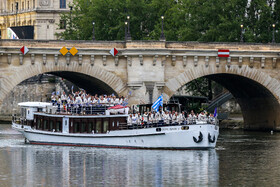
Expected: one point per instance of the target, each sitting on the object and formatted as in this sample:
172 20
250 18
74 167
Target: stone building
40 16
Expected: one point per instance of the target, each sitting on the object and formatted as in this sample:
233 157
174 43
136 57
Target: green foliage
184 20
198 87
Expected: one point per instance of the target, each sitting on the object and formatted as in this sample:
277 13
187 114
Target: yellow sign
73 51
63 51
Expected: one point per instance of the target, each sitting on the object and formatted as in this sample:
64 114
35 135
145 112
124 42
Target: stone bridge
149 68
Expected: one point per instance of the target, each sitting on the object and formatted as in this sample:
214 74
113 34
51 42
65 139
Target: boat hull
171 137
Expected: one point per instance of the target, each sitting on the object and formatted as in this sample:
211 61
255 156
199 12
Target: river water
240 159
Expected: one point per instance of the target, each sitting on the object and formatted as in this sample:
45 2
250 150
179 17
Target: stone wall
26 92
230 106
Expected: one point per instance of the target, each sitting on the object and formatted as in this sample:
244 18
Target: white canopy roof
34 104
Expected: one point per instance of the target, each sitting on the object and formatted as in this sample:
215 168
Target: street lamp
241 36
273 33
71 8
125 30
162 37
93 37
128 31
16 11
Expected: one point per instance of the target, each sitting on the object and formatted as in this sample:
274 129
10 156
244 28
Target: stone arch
24 72
172 85
257 92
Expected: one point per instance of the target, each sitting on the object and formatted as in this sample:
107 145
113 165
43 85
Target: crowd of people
169 118
82 98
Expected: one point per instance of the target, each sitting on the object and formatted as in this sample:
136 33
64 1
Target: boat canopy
34 104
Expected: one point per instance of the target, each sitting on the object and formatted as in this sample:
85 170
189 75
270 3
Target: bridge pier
144 92
260 113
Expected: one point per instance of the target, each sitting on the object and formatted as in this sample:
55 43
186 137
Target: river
240 159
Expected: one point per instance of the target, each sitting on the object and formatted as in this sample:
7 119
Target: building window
62 3
22 6
28 5
33 3
12 7
62 24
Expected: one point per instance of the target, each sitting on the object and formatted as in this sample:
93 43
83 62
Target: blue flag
158 103
215 112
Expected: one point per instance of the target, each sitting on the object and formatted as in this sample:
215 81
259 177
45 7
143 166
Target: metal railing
126 126
90 109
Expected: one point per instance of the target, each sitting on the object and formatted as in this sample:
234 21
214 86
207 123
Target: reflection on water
29 165
240 159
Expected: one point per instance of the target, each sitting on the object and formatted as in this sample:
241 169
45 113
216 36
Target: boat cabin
78 124
43 116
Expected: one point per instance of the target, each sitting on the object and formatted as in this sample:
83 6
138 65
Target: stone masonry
151 68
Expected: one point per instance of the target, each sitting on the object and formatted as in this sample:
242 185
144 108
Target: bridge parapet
188 52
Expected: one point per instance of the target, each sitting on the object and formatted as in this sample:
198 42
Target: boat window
98 127
58 126
76 127
45 125
89 127
113 124
105 126
39 124
51 125
83 127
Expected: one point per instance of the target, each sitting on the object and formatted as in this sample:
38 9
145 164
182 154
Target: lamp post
71 8
273 33
128 31
241 36
162 37
93 37
125 30
16 12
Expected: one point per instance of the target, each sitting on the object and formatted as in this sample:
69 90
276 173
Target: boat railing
126 126
19 120
90 109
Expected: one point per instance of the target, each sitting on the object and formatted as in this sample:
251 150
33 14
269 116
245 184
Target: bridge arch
99 74
256 92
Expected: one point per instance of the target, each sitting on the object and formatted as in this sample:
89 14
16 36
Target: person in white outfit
192 117
166 118
202 116
145 118
63 98
134 119
129 120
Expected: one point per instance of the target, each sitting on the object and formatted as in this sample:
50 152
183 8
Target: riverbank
235 121
5 119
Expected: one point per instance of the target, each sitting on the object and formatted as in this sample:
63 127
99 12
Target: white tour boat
94 126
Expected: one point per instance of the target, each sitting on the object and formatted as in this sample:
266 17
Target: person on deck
145 118
192 117
63 98
129 120
134 119
201 116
